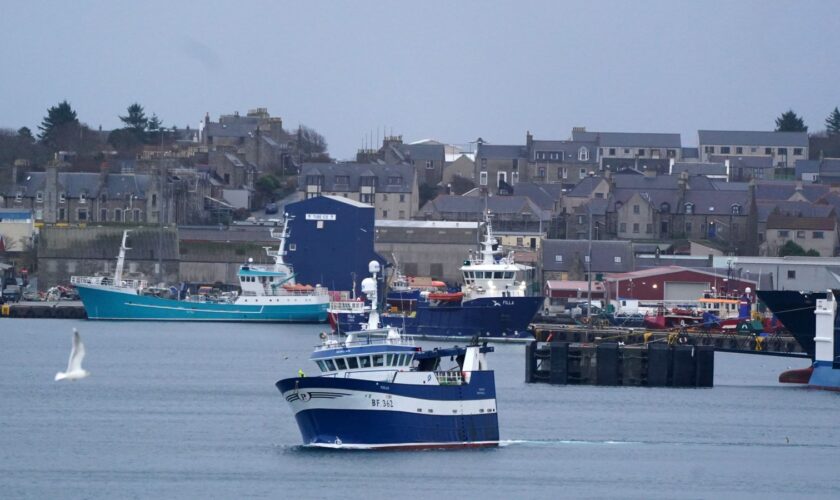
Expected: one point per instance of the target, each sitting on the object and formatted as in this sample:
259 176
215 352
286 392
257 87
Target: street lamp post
589 270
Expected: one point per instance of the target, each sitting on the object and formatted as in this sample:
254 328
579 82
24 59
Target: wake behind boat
378 390
269 293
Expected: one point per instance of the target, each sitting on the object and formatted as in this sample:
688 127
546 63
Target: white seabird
74 366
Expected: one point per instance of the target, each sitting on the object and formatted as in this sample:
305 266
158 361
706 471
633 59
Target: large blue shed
331 241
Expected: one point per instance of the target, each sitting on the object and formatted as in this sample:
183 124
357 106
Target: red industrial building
672 283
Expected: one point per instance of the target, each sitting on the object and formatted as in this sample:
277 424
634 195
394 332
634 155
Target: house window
519 242
62 198
665 207
636 227
736 209
709 149
688 227
649 229
635 209
689 208
384 197
62 215
558 258
800 234
622 227
612 151
768 151
580 219
583 154
783 234
564 173
154 200
617 260
82 198
582 173
402 198
430 164
739 150
368 198
541 173
482 178
797 151
641 152
586 258
343 180
82 214
627 151
782 151
791 274
514 178
724 150
484 164
402 214
39 197
501 177
515 164
384 214
103 215
817 235
672 153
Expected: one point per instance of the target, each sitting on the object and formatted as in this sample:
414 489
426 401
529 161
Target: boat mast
279 263
118 271
487 245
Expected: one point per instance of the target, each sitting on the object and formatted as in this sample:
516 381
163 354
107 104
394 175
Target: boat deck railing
361 339
451 377
350 306
107 281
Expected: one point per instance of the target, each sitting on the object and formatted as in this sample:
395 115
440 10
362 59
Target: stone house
615 149
497 165
563 162
391 189
783 148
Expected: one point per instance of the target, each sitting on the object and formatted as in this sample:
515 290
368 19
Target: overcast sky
447 70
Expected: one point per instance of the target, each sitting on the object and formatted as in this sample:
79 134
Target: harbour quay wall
653 365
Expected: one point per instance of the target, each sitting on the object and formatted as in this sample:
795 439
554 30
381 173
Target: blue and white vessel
493 302
268 294
378 390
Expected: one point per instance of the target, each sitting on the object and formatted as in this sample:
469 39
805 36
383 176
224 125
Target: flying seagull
74 366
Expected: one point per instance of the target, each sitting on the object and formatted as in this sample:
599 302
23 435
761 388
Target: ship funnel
824 332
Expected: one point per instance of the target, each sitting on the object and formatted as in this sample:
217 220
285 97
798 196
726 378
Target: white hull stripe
313 399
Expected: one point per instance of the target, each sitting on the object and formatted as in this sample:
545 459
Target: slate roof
629 139
603 255
806 167
783 190
75 183
711 202
500 152
752 138
543 195
793 209
744 161
585 187
570 150
230 126
355 171
698 168
509 205
420 152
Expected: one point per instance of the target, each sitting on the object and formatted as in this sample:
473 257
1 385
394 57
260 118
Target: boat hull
363 414
796 312
483 317
107 303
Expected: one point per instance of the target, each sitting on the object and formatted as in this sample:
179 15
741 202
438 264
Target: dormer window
736 209
39 197
62 197
82 198
394 180
342 180
583 154
689 208
665 208
18 197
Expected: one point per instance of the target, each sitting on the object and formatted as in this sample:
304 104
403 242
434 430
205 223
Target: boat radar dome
250 260
373 267
368 285
748 290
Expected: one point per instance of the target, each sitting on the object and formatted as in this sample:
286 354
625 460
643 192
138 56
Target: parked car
11 293
271 208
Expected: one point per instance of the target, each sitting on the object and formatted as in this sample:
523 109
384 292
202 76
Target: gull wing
77 354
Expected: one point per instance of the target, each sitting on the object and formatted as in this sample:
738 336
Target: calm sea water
191 411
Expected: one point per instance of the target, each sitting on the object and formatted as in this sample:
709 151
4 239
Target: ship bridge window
352 363
364 361
339 362
330 365
498 275
378 359
322 366
509 275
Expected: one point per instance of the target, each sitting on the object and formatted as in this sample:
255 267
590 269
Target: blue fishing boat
269 293
376 389
493 302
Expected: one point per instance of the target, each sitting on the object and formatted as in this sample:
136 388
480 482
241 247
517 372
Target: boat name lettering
320 216
382 403
507 302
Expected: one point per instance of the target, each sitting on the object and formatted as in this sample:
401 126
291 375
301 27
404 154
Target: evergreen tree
832 123
790 122
136 121
154 124
60 122
25 135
